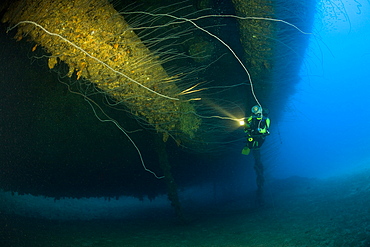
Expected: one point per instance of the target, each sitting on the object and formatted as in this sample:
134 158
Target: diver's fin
246 151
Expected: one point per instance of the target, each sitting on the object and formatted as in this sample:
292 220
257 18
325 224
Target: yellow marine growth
97 44
257 34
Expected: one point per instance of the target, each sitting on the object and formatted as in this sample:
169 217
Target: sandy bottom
298 212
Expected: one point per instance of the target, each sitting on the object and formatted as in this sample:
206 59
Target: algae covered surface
98 45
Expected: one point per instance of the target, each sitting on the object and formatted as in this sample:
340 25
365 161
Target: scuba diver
257 127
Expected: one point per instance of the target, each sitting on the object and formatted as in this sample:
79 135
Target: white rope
91 56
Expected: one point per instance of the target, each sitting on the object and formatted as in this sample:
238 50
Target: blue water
324 130
312 196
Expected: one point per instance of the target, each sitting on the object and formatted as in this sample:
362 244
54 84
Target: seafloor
298 212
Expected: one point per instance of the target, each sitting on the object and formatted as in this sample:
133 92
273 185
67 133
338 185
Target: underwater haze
323 132
316 161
